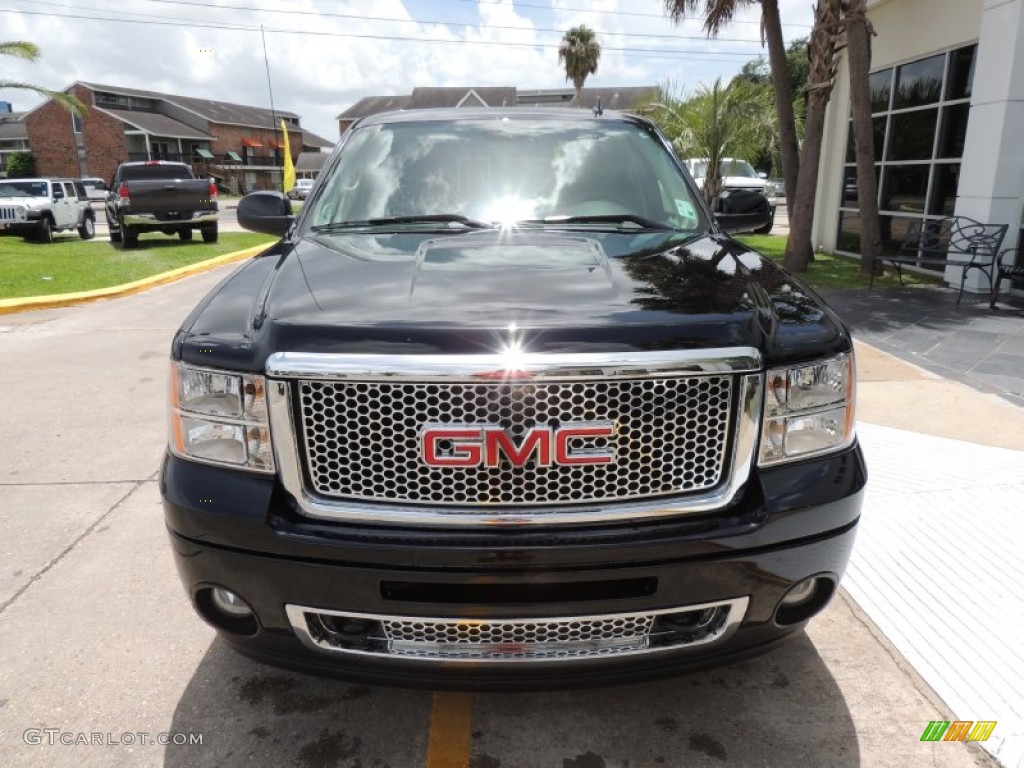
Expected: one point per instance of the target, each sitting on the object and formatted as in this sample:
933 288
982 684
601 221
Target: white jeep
36 208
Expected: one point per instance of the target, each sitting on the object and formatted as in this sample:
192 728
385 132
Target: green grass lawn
829 272
69 264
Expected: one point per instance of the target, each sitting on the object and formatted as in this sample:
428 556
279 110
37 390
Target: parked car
301 189
739 176
160 196
96 189
506 406
37 208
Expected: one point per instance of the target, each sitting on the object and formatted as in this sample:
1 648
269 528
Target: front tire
88 229
209 234
767 228
44 234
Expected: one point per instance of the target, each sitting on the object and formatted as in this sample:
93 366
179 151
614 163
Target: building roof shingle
213 111
310 161
433 98
156 124
373 105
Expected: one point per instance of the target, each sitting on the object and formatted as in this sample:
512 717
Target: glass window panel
881 86
919 82
849 232
961 73
850 196
912 135
894 229
943 199
878 124
953 134
905 188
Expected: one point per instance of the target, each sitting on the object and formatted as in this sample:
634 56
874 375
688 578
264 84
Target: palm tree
580 52
716 122
717 14
30 52
823 53
858 49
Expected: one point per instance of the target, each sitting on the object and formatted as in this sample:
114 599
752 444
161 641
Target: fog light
799 594
229 603
804 599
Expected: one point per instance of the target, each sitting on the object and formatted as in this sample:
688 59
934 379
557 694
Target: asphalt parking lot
96 636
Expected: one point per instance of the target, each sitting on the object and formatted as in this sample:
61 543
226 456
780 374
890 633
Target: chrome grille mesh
362 439
513 632
514 640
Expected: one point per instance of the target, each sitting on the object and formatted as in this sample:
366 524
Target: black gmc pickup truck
507 407
160 196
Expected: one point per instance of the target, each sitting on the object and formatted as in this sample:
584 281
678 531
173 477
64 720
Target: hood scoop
547 266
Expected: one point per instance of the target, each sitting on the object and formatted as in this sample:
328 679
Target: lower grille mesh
514 640
362 439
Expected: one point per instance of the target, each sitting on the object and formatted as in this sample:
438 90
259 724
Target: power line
675 53
612 13
360 17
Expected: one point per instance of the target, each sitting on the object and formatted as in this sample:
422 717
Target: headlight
808 410
220 418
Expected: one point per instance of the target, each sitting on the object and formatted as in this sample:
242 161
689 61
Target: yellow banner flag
289 167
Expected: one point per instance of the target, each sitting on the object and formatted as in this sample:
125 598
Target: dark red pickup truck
158 196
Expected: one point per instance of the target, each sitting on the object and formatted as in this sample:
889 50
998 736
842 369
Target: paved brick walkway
968 342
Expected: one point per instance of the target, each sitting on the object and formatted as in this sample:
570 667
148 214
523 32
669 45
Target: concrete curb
26 303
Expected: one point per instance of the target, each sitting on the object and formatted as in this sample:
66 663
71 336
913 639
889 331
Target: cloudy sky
326 54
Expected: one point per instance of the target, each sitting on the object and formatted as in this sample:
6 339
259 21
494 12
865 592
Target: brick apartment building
239 145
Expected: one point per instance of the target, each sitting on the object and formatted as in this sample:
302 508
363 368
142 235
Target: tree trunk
789 146
858 41
822 54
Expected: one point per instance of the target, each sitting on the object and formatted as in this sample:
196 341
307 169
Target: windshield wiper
433 218
605 218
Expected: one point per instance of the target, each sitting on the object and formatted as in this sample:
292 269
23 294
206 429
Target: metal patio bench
1009 266
957 242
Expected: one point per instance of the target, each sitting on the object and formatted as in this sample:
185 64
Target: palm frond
20 49
66 100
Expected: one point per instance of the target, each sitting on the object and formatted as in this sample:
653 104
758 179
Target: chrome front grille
362 438
516 640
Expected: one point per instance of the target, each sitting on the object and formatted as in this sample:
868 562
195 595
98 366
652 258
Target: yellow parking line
451 721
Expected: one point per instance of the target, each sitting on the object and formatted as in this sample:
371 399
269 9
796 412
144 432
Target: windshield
155 172
738 168
507 170
23 189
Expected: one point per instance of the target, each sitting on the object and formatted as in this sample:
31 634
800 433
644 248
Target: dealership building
947 89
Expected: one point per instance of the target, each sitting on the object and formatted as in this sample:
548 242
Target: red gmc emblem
466 445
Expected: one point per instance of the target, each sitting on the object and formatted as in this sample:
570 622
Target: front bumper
241 532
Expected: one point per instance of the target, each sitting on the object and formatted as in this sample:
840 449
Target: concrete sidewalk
936 562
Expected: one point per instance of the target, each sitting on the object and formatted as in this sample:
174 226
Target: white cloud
317 75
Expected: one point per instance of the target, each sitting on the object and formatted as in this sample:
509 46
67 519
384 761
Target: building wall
906 30
229 138
52 141
104 139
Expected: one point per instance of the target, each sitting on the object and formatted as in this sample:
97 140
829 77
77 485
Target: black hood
462 292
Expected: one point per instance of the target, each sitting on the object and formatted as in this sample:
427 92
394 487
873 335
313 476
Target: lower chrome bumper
529 639
151 219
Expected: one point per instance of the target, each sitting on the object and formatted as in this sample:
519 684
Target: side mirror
266 212
762 175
